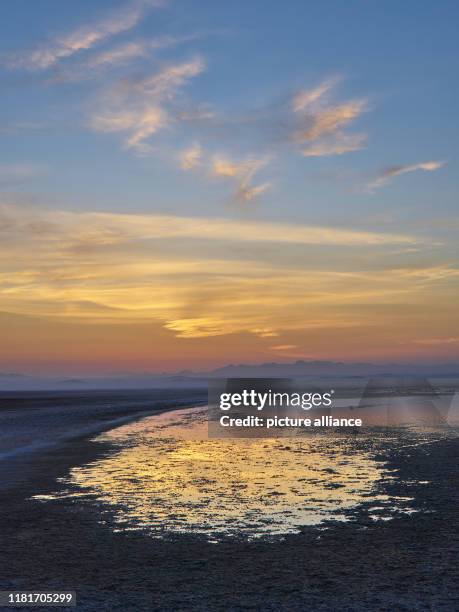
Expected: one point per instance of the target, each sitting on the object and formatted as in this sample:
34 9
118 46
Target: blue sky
338 115
400 57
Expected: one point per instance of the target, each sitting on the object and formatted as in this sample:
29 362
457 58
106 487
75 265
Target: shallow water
166 477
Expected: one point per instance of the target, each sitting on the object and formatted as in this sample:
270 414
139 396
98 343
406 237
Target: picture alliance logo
275 399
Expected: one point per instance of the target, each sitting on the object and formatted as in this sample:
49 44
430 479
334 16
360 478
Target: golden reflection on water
167 477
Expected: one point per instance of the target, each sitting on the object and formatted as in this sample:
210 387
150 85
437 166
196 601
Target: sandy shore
408 563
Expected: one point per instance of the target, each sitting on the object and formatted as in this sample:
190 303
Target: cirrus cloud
82 38
320 123
338 145
138 108
191 157
242 172
393 171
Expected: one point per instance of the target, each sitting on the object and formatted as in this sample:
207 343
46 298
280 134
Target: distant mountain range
191 379
333 368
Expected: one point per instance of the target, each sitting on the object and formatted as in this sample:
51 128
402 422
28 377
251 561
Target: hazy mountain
191 379
333 368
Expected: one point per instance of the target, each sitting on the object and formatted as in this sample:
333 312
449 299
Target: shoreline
18 463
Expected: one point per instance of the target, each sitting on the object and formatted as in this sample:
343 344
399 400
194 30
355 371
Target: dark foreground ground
409 563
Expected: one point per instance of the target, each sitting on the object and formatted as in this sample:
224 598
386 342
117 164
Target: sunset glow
156 214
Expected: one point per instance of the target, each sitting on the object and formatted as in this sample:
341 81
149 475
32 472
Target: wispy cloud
139 125
112 228
438 341
328 120
190 274
82 38
165 83
311 122
123 53
338 145
307 98
393 171
117 56
247 193
139 108
425 274
320 122
240 173
191 157
243 172
283 347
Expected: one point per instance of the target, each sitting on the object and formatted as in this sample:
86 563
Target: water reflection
167 477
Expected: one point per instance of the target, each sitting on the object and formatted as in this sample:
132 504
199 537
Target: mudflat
407 563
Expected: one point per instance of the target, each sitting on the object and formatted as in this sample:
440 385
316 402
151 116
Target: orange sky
109 292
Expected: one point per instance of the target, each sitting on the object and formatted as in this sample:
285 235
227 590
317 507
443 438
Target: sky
189 184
